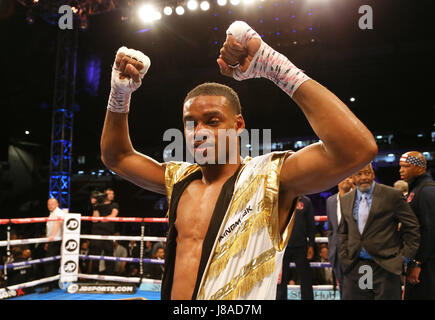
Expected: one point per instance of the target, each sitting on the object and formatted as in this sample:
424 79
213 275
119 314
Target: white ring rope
28 241
98 237
127 238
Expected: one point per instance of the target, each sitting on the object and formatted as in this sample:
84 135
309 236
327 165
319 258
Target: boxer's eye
213 122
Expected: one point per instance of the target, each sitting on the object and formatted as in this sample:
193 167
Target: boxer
229 223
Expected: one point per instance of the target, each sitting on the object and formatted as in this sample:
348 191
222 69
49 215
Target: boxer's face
205 117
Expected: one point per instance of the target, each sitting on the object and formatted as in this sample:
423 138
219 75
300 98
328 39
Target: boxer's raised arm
347 145
117 152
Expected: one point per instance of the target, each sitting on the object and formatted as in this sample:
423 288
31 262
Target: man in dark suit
420 282
371 249
333 211
300 249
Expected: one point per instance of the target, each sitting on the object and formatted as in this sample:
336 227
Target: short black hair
216 89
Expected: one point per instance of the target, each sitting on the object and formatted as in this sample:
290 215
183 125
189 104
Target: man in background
300 250
369 239
333 211
106 208
54 229
420 282
401 186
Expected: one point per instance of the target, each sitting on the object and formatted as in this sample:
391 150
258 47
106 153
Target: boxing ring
75 285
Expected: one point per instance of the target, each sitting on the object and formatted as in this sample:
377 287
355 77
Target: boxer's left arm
347 145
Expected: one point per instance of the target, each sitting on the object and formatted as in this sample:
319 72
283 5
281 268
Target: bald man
420 282
53 230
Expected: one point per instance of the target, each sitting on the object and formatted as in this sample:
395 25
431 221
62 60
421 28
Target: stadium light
167 11
235 2
221 2
148 13
192 4
204 5
179 10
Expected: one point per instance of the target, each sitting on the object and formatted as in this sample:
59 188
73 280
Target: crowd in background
412 228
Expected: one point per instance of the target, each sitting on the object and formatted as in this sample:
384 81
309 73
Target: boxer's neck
213 173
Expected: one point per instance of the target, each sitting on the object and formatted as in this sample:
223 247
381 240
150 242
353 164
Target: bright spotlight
167 11
148 13
248 1
192 4
204 5
235 2
352 99
179 10
221 2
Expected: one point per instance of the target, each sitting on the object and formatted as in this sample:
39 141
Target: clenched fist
127 73
239 49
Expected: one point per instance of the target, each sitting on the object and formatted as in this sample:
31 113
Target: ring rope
113 219
31 283
122 259
28 241
127 238
99 237
30 262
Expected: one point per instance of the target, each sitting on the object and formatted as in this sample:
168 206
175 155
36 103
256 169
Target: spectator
103 208
333 211
120 252
299 251
401 186
323 275
133 252
88 210
148 249
23 273
420 282
53 230
369 237
84 250
156 270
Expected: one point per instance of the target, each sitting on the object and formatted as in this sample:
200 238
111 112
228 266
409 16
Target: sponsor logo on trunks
101 288
231 228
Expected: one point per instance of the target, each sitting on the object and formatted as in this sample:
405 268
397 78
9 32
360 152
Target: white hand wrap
267 63
120 93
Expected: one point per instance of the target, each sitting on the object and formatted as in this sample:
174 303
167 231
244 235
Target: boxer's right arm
117 152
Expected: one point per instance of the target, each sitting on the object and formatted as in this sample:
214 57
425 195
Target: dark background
389 70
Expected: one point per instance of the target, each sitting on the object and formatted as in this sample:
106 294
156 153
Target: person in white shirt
54 229
333 211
